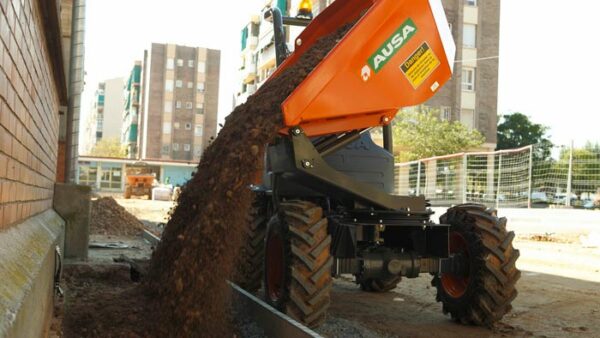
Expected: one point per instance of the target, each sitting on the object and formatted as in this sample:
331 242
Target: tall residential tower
180 101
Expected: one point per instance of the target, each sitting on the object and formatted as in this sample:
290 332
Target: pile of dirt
109 218
199 245
102 301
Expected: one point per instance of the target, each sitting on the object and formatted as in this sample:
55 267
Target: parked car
539 199
562 198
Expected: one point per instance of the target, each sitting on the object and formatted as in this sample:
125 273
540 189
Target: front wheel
250 264
483 294
298 262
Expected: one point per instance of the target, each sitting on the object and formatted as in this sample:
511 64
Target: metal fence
524 177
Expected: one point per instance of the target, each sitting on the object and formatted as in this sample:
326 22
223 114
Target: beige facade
180 102
471 96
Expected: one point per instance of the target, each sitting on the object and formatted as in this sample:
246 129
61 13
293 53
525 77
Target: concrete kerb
27 267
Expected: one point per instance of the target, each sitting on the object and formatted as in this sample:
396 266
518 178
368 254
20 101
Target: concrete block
27 267
73 203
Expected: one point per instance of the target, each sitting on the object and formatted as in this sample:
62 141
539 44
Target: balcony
251 43
248 73
251 89
266 57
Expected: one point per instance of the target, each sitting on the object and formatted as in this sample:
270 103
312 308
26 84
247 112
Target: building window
471 2
111 178
178 104
178 83
167 128
201 86
445 113
170 64
468 79
186 147
469 35
467 117
165 149
169 85
200 107
88 174
176 125
175 146
201 67
189 105
179 63
190 85
191 63
168 106
197 151
198 130
188 126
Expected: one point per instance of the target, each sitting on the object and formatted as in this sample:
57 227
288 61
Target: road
559 296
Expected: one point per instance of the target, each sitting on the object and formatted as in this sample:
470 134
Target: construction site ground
559 292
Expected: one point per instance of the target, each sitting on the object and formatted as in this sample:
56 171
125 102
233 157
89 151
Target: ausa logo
390 47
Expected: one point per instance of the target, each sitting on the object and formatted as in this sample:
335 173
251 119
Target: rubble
109 218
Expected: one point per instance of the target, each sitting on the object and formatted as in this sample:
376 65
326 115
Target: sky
548 58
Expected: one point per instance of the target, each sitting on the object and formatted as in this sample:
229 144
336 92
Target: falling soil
199 245
109 218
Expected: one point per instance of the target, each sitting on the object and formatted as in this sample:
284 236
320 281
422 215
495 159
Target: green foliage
586 167
423 134
517 130
109 147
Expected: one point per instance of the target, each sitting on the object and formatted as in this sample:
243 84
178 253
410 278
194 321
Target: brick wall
29 120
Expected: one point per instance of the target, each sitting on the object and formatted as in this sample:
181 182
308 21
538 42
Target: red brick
5 191
3 165
13 214
2 224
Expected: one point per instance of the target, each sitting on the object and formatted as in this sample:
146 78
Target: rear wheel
298 262
250 265
481 295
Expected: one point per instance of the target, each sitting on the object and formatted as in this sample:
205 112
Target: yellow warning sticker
419 66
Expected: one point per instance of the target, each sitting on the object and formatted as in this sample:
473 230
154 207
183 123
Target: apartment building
105 119
180 101
469 97
131 113
258 49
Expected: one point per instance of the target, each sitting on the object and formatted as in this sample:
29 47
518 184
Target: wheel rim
274 267
456 285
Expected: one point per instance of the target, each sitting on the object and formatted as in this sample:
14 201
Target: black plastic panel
366 162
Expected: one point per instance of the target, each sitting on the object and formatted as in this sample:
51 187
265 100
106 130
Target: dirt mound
199 245
102 301
109 218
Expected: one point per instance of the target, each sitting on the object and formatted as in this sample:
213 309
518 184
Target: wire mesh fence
524 177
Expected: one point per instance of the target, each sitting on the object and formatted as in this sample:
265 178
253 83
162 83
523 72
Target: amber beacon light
305 10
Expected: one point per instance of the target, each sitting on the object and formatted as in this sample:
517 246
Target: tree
586 168
517 130
109 147
423 134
